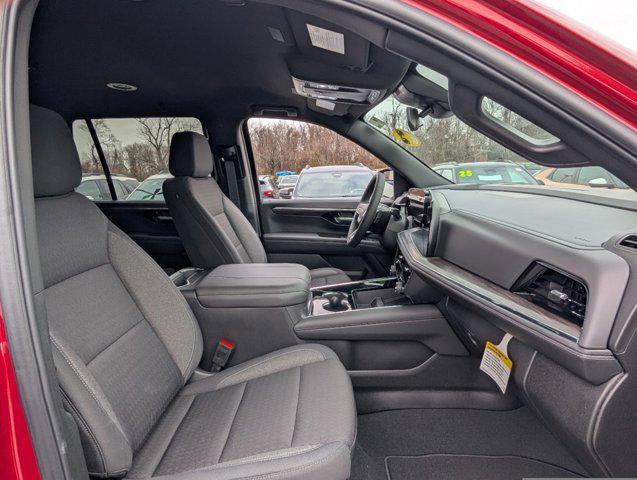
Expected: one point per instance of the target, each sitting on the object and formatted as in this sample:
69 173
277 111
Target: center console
365 294
373 325
253 305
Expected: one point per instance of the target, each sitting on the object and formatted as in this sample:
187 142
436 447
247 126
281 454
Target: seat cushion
289 414
328 276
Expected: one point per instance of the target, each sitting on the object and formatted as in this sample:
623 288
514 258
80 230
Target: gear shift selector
335 301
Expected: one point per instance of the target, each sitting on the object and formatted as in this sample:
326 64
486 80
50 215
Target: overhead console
325 92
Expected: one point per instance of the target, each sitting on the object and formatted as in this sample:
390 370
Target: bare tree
158 132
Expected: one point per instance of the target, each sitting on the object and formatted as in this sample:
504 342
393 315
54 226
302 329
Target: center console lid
255 285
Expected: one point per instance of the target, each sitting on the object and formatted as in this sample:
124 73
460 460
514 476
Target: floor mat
425 438
471 467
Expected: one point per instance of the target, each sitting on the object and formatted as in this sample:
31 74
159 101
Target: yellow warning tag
406 138
496 363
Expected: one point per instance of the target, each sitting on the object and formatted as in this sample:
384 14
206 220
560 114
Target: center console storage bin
255 306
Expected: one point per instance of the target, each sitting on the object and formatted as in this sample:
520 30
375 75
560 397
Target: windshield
485 174
332 184
288 180
463 155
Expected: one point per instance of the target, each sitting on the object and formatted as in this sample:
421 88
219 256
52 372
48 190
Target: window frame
251 160
102 157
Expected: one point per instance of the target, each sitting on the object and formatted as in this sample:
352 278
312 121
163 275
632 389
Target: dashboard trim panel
547 333
494 294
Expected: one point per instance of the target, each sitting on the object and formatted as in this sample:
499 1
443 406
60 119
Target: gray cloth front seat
125 345
213 230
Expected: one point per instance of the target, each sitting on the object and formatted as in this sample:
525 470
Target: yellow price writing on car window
466 173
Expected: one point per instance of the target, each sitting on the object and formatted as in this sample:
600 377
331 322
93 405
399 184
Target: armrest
255 285
424 323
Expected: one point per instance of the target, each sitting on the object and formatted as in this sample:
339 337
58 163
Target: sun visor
319 40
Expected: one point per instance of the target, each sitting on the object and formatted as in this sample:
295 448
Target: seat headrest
54 158
190 155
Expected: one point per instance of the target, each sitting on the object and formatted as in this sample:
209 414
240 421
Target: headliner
192 57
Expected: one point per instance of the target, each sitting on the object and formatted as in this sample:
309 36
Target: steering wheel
366 210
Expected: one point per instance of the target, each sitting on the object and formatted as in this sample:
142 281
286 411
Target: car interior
215 334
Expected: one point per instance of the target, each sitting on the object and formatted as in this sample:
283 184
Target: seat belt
229 157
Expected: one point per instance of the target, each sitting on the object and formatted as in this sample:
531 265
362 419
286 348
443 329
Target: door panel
313 232
150 225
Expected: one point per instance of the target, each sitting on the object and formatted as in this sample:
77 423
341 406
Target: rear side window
564 175
135 151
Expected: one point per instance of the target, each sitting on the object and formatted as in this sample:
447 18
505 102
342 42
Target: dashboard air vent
556 291
629 242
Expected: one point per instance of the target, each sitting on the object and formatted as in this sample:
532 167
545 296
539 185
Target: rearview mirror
413 119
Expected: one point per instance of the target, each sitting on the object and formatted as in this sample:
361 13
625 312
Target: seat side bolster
311 462
280 360
245 232
162 305
98 424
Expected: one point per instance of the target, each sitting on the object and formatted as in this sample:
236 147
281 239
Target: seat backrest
213 230
124 339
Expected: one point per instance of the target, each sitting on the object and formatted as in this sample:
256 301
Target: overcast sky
616 19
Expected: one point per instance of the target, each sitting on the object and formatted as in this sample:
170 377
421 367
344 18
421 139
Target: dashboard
542 268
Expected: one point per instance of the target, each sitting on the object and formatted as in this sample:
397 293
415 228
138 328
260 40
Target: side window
447 173
303 160
91 166
564 175
597 175
135 150
120 190
90 189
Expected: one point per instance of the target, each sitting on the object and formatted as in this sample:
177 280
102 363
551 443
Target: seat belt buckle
222 354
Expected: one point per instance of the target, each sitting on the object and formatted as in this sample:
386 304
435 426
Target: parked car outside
486 173
338 181
267 189
95 186
151 188
578 177
286 181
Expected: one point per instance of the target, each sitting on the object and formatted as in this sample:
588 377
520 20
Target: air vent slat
629 242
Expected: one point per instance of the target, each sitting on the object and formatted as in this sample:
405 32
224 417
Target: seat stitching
75 275
300 468
278 456
74 368
225 380
114 341
173 436
296 410
86 428
234 417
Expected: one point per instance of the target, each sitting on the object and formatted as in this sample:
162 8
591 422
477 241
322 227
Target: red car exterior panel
595 68
17 458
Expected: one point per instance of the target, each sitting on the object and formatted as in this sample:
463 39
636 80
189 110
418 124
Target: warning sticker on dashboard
496 364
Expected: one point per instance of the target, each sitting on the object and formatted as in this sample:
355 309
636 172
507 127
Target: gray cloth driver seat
125 345
213 230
